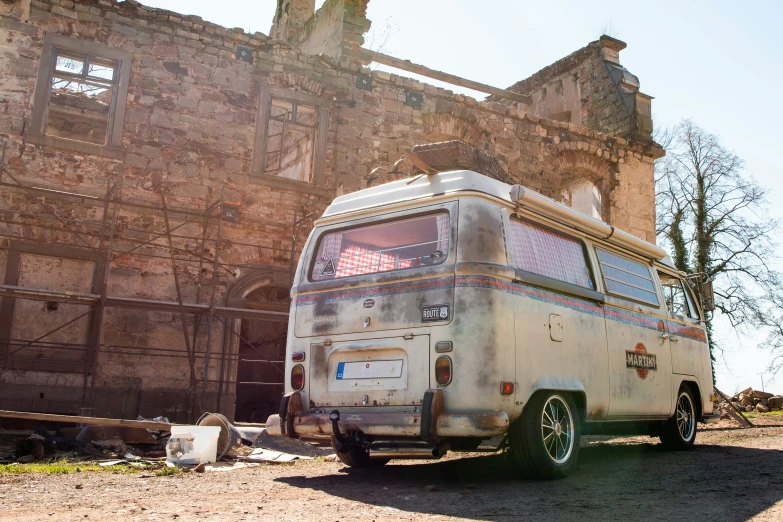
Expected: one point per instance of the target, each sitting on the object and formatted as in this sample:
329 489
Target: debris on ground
110 447
750 400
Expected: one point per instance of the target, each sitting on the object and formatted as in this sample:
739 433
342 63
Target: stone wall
191 135
590 88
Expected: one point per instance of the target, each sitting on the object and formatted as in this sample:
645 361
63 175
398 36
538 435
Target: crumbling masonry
160 174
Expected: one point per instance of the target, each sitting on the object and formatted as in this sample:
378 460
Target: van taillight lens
443 370
297 377
298 356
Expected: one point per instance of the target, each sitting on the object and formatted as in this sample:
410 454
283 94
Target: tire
679 432
356 457
545 439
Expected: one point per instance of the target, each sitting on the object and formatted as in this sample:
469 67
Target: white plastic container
192 444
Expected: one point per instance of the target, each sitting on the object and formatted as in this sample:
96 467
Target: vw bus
433 313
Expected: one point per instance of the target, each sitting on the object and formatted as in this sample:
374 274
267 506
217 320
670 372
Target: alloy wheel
557 429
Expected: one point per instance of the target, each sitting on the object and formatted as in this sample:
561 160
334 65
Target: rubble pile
108 445
93 443
753 400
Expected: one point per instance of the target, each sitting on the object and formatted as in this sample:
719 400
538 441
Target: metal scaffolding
114 237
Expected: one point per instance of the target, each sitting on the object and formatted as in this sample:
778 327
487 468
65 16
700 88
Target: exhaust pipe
407 450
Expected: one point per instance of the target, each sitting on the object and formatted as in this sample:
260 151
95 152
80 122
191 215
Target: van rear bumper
402 425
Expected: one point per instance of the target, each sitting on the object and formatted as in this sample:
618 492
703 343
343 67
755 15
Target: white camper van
431 314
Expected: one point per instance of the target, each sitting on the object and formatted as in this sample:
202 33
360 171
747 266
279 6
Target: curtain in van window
332 246
328 254
357 259
442 221
549 253
381 247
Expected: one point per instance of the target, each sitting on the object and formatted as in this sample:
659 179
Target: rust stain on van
318 364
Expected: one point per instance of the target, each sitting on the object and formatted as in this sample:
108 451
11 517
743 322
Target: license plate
369 370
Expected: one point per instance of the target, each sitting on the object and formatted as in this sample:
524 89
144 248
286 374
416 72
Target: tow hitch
343 442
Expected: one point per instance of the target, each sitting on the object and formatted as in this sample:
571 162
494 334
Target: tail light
297 377
443 370
506 388
298 356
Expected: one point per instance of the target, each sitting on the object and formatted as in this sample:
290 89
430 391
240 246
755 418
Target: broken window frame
260 173
55 45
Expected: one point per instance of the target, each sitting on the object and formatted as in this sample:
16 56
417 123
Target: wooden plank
76 419
407 65
418 162
739 418
733 412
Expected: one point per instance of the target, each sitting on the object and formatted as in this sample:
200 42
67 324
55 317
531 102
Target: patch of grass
166 471
753 414
61 467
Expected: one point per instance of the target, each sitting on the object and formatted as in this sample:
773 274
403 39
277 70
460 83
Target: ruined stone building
160 175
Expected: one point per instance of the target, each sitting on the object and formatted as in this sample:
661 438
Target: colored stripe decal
375 291
494 283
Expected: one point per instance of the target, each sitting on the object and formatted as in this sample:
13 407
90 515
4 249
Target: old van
433 313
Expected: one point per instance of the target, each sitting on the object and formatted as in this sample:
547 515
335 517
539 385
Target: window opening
394 245
549 253
627 278
675 294
584 196
290 139
82 90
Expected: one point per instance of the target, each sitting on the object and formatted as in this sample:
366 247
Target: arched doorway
258 373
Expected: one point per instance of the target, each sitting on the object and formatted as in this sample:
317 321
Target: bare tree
712 217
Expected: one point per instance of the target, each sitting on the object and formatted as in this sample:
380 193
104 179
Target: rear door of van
370 290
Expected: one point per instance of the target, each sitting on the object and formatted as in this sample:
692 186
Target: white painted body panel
633 392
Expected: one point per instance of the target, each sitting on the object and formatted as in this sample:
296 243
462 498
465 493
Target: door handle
674 338
664 336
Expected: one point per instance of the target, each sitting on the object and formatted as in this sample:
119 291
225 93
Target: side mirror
708 296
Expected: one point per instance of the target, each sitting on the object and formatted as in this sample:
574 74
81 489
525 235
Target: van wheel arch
694 388
579 397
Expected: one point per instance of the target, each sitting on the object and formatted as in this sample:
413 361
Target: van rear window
392 245
549 253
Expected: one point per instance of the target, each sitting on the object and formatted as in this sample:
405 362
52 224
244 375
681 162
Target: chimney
290 17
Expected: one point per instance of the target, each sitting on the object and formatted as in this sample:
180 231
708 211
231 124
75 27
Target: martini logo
642 361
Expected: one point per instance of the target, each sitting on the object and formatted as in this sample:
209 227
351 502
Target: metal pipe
408 451
215 282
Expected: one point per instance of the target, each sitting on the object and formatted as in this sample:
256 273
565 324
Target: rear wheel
679 432
357 457
545 439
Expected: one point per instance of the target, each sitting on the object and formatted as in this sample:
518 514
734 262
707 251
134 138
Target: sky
716 62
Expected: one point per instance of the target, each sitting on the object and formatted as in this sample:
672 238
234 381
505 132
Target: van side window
626 278
677 299
549 253
392 245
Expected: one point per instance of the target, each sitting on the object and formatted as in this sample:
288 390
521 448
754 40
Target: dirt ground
732 474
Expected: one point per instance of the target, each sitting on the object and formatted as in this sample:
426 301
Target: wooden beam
418 162
76 419
407 65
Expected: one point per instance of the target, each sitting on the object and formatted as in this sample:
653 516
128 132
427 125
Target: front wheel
545 439
679 432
